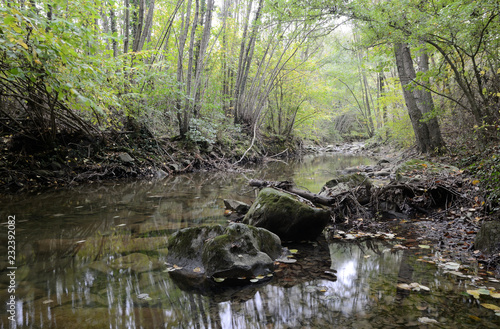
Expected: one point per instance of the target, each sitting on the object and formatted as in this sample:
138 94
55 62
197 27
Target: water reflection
95 256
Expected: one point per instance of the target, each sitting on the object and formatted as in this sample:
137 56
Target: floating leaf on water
452 266
270 275
475 318
260 277
474 293
404 286
424 246
81 241
367 256
459 274
398 246
121 225
142 296
484 291
197 270
293 251
491 307
286 260
219 280
47 301
427 320
78 207
495 294
254 280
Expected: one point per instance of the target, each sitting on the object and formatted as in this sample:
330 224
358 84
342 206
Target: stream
94 257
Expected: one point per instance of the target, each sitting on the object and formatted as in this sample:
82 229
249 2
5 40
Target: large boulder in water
236 251
287 216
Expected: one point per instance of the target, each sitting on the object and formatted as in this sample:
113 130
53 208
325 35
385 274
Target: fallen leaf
491 307
474 293
427 320
197 270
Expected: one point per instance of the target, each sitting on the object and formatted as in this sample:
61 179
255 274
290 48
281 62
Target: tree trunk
126 34
426 106
146 33
137 25
407 74
183 124
237 91
200 66
114 32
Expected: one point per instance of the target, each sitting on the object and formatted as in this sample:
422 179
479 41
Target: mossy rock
243 251
185 246
214 251
286 216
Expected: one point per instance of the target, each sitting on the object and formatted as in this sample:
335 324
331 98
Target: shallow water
94 257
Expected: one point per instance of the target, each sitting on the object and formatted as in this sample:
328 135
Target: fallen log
289 187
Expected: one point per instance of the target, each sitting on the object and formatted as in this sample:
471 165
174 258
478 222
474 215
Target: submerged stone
286 216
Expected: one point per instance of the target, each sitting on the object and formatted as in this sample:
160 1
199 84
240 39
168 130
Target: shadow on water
95 256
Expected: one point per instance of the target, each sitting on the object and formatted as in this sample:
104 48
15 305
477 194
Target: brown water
94 257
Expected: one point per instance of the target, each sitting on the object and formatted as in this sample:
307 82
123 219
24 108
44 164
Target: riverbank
72 159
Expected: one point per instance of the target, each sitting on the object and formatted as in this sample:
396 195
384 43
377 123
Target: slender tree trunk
383 106
247 61
183 124
126 32
239 74
105 27
146 33
114 32
200 66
